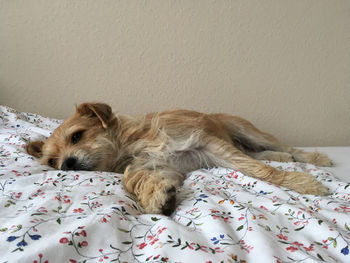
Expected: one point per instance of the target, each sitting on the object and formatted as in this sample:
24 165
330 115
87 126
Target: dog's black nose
71 163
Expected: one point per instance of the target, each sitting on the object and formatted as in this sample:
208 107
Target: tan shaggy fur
156 150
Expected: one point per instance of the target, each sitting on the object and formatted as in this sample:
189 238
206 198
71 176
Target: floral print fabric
222 215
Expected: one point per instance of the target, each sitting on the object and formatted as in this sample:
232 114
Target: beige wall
284 65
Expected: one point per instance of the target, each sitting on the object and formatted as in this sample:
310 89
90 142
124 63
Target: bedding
48 215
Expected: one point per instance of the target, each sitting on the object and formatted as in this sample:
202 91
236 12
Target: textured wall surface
284 65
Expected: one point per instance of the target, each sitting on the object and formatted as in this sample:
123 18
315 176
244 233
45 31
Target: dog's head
82 142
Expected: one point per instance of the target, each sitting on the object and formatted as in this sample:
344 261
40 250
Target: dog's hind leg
224 154
272 156
293 155
261 145
316 158
155 189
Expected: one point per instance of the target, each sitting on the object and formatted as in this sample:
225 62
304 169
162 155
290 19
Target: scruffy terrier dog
156 151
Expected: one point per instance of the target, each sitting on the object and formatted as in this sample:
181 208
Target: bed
48 215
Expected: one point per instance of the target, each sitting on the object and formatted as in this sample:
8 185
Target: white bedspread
222 216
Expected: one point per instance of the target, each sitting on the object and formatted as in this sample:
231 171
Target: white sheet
222 215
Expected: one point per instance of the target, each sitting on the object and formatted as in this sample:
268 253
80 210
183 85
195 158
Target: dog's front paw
170 204
158 197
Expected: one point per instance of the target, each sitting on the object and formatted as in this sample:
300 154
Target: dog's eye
52 162
76 137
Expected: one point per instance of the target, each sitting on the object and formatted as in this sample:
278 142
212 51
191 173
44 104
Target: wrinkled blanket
48 215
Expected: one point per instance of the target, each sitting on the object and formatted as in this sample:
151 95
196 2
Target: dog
157 150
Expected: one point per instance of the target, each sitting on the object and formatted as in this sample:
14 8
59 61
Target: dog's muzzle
73 163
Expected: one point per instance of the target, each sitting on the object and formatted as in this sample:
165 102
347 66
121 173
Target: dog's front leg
155 189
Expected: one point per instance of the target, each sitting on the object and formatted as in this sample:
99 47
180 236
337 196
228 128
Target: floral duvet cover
48 215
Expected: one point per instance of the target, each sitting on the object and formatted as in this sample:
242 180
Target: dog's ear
35 148
100 110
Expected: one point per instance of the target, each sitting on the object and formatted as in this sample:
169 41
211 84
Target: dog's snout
71 163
